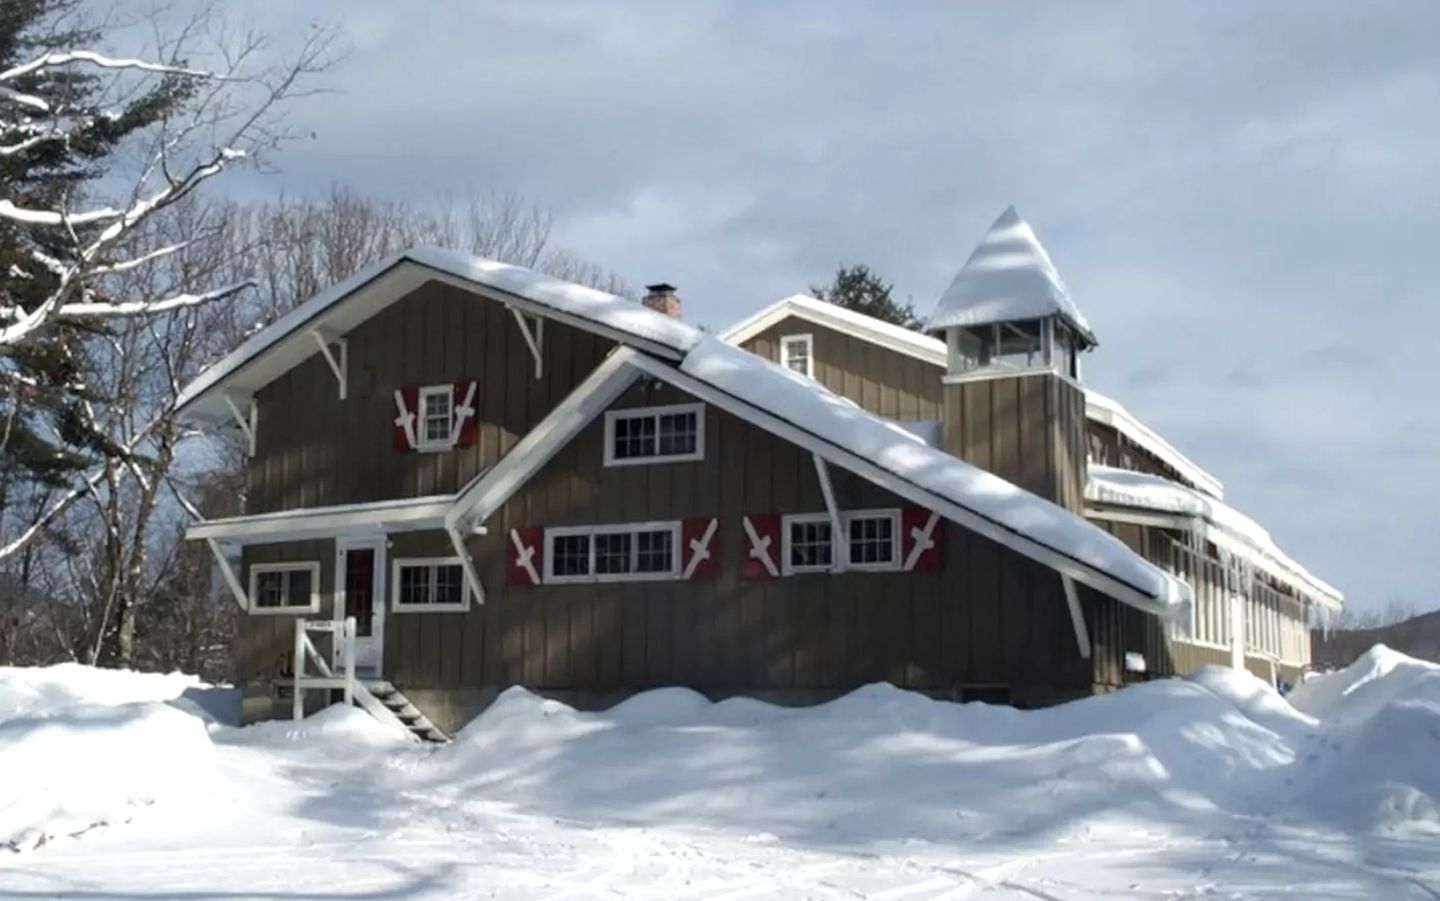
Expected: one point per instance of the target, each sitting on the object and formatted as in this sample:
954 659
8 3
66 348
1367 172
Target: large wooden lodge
465 476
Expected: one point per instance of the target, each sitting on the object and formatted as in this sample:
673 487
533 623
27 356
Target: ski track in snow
333 808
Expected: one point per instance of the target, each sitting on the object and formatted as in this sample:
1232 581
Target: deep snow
1213 786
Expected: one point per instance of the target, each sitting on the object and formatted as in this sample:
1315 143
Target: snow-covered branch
73 311
66 57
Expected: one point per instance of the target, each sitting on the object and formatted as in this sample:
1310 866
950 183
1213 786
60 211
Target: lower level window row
871 541
621 553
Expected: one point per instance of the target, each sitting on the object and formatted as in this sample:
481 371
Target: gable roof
812 309
287 342
1008 277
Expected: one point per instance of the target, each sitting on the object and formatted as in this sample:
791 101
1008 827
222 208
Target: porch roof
404 514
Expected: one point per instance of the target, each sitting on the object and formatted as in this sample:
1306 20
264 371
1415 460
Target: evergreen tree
58 133
857 288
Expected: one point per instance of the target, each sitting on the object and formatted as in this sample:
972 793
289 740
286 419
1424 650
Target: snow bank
882 763
1381 742
88 764
47 688
81 746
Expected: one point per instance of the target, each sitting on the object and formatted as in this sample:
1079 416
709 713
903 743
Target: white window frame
789 519
677 553
655 412
840 549
421 442
808 340
398 563
890 513
311 566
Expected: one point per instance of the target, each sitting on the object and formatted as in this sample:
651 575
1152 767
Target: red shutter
762 547
527 555
919 526
699 548
408 407
466 399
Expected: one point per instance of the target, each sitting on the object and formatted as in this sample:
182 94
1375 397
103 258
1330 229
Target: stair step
394 700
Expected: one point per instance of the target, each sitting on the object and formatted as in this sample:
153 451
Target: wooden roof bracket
338 365
247 421
533 338
1077 616
839 547
467 563
231 579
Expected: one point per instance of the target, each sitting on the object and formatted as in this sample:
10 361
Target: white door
360 578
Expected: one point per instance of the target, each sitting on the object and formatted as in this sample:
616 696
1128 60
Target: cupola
1008 312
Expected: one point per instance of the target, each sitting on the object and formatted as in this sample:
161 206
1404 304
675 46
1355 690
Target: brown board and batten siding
313 449
1027 429
267 640
991 619
886 382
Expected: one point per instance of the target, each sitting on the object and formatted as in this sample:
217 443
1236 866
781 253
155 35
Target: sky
1244 199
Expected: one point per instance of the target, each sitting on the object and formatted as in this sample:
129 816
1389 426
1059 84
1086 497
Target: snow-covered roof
877 448
1106 410
1098 407
287 341
843 320
1231 528
1009 277
902 463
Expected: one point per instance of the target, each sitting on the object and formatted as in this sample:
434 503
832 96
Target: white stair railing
325 677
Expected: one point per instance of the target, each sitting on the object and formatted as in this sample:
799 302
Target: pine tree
58 135
857 288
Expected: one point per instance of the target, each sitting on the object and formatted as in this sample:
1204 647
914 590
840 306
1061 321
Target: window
433 584
872 541
655 434
437 417
619 553
285 587
797 353
808 547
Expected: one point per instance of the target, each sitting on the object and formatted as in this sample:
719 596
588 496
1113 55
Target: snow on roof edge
1149 439
815 410
1108 484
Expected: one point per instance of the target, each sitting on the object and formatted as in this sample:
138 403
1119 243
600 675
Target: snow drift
81 747
879 767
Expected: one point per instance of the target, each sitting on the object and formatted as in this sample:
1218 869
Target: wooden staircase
377 697
399 706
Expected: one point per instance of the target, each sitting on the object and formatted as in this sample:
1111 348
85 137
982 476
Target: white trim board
405 514
847 322
484 495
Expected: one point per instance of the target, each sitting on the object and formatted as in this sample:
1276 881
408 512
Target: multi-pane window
437 416
284 587
797 353
808 546
871 541
569 555
655 434
612 553
429 584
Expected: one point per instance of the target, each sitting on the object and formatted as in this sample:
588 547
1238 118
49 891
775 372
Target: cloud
1243 199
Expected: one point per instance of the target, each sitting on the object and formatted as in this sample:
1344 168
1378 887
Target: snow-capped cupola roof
1008 278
